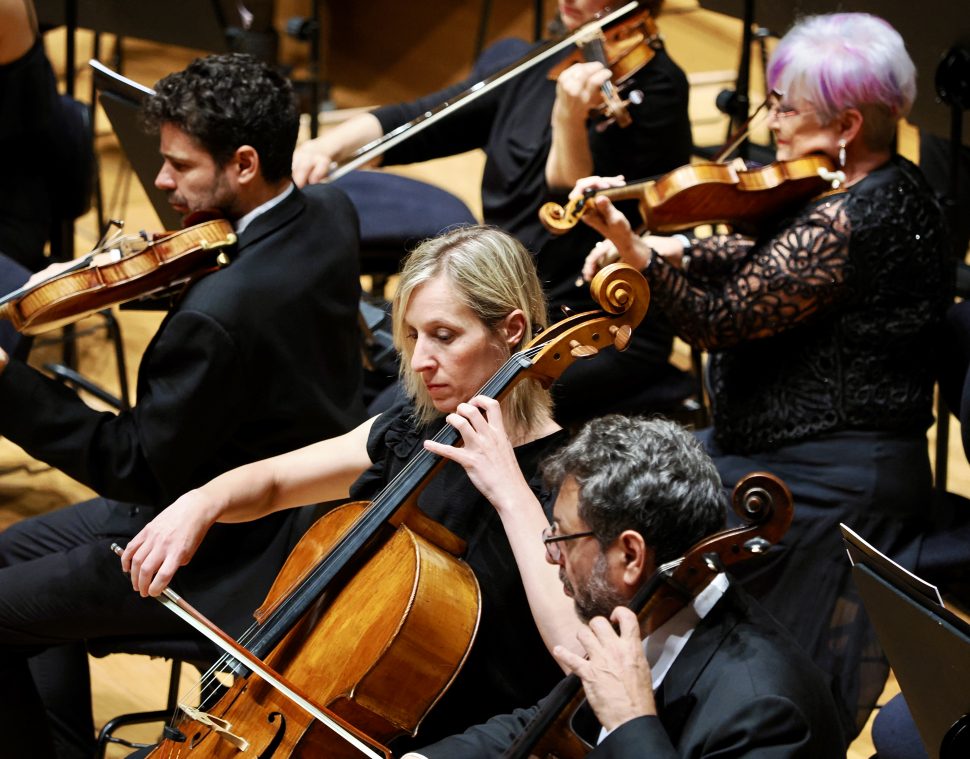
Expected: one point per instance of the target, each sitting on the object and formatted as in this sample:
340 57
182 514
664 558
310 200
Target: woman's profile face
798 131
575 13
452 350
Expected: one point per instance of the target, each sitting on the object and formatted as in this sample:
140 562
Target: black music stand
927 646
121 99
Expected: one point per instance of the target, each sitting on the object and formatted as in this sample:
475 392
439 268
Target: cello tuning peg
579 350
757 545
634 97
713 562
621 336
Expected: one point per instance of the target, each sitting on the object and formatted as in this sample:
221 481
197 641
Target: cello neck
366 531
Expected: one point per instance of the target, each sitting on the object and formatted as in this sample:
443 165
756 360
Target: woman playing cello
538 139
465 302
820 335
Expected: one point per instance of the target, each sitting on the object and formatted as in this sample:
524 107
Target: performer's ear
638 561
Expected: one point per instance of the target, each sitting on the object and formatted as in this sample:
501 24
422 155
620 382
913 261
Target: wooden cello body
377 654
372 615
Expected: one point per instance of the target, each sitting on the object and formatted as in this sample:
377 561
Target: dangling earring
841 154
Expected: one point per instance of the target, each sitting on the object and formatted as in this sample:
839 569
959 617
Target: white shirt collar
664 644
246 220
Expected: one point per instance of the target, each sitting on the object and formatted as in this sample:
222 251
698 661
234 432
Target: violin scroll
709 193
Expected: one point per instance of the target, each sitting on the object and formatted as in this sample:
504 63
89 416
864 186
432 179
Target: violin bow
381 145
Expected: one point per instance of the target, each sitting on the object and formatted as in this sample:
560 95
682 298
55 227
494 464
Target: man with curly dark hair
257 358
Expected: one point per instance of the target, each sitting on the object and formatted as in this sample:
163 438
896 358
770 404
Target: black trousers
60 585
12 276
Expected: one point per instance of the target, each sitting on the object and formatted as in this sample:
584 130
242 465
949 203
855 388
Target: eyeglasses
552 541
786 110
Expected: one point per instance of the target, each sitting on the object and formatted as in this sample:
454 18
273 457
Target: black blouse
509 665
828 323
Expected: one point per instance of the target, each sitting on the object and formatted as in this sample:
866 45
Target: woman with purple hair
821 335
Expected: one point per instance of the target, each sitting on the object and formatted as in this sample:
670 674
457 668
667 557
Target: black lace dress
821 339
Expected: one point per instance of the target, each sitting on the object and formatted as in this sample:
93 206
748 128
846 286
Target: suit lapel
278 216
676 697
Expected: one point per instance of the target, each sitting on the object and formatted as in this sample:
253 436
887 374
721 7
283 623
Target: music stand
927 646
121 99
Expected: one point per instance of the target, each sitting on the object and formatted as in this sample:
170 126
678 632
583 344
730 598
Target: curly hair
647 475
225 101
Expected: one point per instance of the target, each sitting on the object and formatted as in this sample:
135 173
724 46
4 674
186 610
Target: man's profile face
192 178
583 566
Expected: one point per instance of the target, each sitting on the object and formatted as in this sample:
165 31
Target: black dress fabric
30 110
512 125
509 665
823 341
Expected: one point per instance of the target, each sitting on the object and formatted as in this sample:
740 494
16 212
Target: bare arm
17 29
489 459
320 472
313 159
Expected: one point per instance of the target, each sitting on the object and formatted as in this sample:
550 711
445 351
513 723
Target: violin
378 665
120 270
764 503
378 147
624 48
710 193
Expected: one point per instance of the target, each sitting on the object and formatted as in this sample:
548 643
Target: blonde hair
492 274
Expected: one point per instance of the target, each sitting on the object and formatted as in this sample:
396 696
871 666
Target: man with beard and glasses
257 358
717 678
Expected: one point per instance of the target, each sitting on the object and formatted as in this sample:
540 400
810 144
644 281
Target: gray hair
847 60
647 475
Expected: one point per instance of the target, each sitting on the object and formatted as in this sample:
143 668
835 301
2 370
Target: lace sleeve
776 285
714 256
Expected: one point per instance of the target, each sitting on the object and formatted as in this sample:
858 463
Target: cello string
392 494
208 684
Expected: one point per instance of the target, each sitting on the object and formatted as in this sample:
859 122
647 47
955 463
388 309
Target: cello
764 504
378 666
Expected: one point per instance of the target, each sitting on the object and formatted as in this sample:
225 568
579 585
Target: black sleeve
484 741
788 279
465 129
187 404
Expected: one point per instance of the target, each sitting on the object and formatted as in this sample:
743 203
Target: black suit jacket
258 358
740 688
